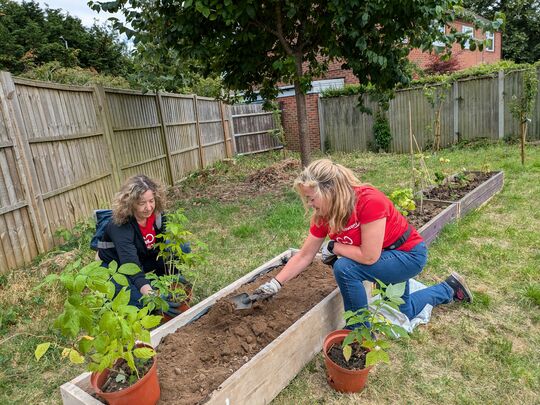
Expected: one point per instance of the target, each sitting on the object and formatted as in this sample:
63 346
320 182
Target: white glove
327 253
268 289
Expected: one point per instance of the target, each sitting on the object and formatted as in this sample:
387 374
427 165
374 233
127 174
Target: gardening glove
173 306
173 309
327 252
268 289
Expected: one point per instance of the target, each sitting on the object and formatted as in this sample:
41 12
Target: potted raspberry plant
349 354
111 337
181 254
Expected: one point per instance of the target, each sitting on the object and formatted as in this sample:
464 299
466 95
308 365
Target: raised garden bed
258 371
296 322
474 193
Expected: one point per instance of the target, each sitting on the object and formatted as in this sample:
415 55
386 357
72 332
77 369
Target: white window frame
441 29
490 36
468 29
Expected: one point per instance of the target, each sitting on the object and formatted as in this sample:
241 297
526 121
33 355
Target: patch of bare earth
270 180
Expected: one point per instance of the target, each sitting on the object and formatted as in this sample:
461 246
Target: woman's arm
372 240
300 260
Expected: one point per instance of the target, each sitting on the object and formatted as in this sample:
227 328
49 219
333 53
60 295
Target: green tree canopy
256 44
521 36
31 36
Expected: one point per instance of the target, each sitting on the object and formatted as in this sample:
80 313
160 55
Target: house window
470 31
438 43
490 41
317 86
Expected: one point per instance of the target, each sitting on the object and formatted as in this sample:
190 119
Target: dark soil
357 360
111 385
457 187
423 213
197 358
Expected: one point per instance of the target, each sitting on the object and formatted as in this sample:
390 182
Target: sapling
101 326
172 243
372 331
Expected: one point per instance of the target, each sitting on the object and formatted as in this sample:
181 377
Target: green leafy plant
381 131
436 95
372 330
102 327
522 106
403 200
171 244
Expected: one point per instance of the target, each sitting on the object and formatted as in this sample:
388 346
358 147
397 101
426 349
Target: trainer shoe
461 291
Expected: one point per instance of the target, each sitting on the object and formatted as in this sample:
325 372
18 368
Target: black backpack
103 217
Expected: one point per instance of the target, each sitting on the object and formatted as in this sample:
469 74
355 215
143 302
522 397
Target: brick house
337 77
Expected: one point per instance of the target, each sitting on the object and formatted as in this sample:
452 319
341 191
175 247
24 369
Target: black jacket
129 247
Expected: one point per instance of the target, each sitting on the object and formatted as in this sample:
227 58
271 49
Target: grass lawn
485 352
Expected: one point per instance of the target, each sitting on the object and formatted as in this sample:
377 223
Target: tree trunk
301 115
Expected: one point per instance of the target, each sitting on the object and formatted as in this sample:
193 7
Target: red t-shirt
148 231
371 205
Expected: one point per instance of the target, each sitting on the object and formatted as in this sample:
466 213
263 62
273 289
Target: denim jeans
394 266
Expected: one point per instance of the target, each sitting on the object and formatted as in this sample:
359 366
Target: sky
79 8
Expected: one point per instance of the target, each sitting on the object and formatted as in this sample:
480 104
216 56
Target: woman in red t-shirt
368 239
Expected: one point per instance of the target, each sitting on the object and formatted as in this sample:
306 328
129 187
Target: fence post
163 131
226 132
455 97
27 172
322 134
198 129
500 82
108 132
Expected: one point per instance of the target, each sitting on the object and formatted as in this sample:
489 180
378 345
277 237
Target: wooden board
481 194
430 230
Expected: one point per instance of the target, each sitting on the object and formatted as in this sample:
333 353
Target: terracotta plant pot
144 392
340 378
184 305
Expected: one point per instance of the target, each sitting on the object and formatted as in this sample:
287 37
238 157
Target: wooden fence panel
253 129
212 131
67 148
181 131
346 129
137 140
478 108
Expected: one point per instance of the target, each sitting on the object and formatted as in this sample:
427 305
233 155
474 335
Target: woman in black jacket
130 236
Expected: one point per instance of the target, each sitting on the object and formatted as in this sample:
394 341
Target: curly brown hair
129 194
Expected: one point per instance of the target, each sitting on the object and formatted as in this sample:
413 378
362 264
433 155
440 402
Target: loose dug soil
270 180
357 360
197 358
454 189
111 385
424 213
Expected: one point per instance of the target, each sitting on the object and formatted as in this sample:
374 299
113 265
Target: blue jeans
394 266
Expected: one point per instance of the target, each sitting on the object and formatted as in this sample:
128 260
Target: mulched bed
197 358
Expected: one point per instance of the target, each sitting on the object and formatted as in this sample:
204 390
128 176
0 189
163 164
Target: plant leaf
75 357
347 352
121 279
41 349
144 352
129 269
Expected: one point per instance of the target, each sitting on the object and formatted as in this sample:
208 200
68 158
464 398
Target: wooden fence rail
64 151
472 108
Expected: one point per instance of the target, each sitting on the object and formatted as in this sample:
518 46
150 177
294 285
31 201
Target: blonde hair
335 184
129 195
